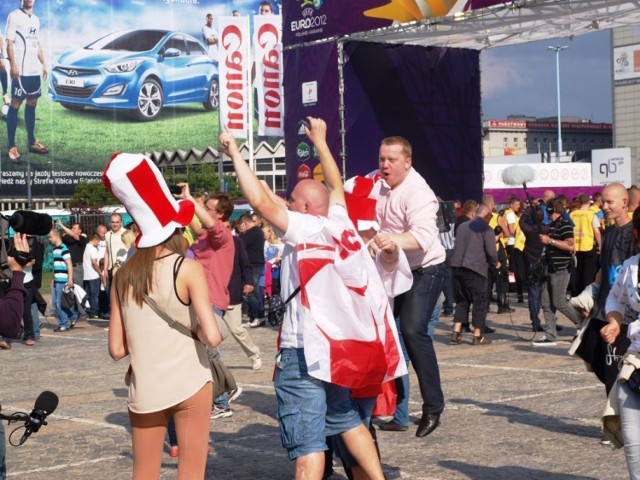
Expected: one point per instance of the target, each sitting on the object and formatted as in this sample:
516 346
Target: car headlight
123 67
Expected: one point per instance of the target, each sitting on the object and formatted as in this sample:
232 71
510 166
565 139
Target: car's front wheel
213 101
72 106
149 101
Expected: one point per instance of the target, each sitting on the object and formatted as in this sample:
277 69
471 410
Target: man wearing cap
559 242
407 209
308 408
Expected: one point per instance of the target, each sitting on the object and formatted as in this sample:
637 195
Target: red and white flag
350 337
267 48
233 75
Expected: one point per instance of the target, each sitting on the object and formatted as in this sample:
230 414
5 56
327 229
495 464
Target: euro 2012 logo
623 60
317 4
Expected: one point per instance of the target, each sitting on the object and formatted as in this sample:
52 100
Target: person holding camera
12 308
560 249
531 224
12 304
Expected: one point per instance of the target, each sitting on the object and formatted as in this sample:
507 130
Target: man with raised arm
308 409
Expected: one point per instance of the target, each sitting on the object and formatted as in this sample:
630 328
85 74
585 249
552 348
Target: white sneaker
234 394
257 322
544 343
256 363
217 412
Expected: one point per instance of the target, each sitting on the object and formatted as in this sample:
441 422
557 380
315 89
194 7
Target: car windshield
132 41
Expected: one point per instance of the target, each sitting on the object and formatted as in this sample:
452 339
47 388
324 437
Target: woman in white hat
157 286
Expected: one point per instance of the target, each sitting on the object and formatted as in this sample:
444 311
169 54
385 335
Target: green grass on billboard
85 140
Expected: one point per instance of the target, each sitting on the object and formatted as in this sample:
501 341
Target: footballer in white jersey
26 59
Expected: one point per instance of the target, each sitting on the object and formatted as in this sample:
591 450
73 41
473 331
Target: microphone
32 223
45 404
518 175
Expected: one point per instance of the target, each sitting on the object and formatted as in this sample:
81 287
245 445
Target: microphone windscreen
32 223
518 174
46 401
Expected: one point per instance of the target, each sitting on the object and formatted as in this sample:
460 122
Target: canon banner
234 65
148 76
267 47
309 20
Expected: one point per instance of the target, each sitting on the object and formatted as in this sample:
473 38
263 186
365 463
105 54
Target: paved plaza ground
513 412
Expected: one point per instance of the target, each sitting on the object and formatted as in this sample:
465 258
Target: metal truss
511 23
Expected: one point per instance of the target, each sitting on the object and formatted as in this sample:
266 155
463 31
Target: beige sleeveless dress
167 366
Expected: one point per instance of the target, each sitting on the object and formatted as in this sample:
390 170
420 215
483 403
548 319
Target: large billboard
626 65
136 77
309 20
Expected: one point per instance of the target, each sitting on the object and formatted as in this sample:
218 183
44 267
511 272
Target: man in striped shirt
560 248
62 276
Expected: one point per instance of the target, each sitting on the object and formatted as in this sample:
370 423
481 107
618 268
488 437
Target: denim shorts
309 409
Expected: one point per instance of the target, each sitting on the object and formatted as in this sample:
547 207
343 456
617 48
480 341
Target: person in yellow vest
587 239
517 257
509 226
497 276
596 207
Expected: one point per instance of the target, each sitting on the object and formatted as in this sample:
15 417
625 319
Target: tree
203 178
92 195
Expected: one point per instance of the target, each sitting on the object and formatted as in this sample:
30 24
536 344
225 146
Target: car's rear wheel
213 101
72 106
149 101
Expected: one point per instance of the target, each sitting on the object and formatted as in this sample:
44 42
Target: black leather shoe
428 423
506 310
465 328
392 426
489 330
537 328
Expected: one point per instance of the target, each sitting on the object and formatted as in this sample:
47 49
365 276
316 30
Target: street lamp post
558 49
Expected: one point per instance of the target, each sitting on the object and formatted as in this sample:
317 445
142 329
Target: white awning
508 24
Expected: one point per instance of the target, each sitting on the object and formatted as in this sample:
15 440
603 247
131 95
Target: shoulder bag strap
293 294
167 318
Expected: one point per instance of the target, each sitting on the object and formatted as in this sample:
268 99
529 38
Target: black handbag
633 382
277 308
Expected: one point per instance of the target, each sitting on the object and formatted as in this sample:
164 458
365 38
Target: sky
521 79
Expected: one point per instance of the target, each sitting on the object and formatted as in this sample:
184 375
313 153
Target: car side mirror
171 53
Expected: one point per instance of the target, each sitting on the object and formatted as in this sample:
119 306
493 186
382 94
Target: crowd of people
185 275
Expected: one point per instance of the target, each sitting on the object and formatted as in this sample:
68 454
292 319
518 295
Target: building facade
525 135
626 91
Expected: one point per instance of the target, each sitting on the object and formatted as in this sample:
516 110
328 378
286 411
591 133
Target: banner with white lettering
233 69
267 48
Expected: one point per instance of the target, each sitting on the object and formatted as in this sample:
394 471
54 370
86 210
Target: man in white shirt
308 409
26 58
92 274
210 37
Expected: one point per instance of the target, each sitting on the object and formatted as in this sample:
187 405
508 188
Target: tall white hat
138 184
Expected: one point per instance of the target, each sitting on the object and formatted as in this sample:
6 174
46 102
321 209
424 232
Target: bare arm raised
317 133
257 196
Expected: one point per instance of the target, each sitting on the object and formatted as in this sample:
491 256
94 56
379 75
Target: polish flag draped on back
350 336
